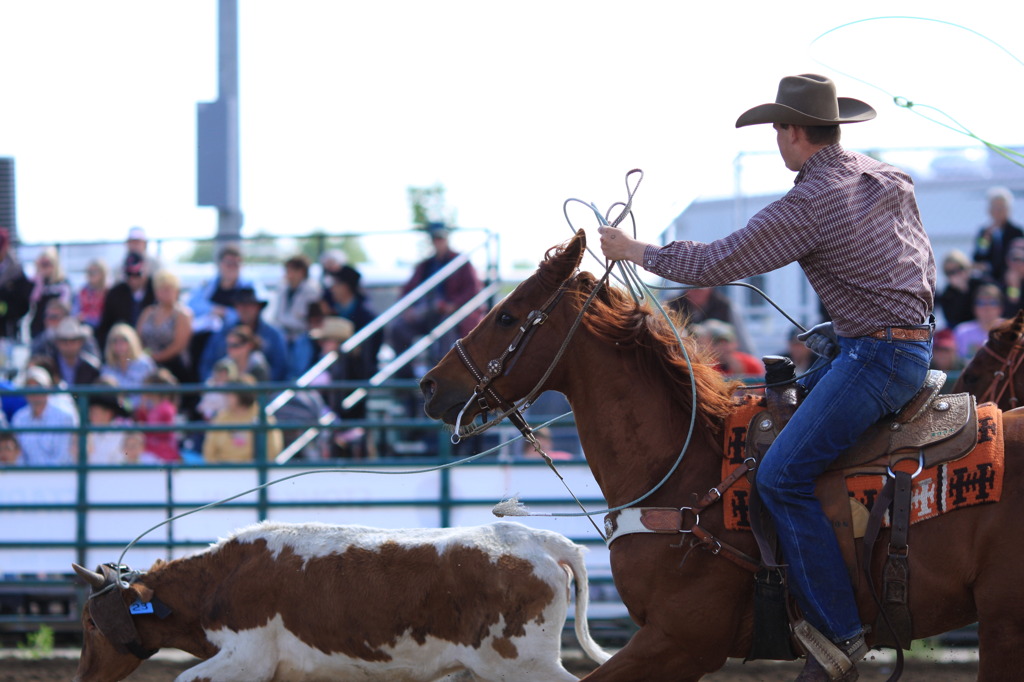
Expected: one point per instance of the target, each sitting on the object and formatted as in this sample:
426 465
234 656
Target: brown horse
993 373
630 387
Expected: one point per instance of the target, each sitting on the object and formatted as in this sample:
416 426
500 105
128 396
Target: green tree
428 206
266 248
318 242
202 252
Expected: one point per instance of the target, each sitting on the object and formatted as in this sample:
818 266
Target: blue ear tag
139 606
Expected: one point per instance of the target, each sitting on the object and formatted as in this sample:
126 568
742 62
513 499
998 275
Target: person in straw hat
853 225
76 364
347 442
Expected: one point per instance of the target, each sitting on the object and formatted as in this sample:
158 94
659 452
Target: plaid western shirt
853 225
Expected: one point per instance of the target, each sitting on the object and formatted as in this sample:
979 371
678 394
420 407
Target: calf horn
91 577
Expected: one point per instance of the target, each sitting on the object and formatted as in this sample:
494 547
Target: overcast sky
513 107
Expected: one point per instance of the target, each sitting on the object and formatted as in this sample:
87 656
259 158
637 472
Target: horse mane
615 317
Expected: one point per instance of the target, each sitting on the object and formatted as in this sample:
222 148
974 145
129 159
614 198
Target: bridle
486 396
1003 376
499 367
484 391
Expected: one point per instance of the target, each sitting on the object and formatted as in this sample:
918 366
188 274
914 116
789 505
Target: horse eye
506 320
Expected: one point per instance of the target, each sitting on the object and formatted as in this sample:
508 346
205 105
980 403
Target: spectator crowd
135 331
981 290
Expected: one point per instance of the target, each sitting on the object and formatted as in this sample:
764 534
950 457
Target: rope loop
940 118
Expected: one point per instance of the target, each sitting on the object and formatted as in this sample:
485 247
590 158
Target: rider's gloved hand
821 338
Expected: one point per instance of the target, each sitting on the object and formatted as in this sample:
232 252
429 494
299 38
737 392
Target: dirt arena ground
165 666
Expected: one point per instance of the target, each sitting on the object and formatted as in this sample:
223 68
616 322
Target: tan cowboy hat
70 329
38 376
337 328
808 100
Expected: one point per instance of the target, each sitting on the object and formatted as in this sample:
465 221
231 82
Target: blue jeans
867 380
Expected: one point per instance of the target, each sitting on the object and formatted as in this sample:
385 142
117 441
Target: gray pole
217 135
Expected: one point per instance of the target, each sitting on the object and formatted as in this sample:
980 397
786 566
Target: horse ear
578 246
1018 324
561 261
570 255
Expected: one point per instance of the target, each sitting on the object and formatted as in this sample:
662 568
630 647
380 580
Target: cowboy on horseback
853 224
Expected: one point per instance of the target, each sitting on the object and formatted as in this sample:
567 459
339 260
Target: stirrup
836 661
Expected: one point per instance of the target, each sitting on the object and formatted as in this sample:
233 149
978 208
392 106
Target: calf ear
141 592
146 595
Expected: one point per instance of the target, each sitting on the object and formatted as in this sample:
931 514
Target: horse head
524 331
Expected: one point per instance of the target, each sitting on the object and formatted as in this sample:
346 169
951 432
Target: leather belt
902 334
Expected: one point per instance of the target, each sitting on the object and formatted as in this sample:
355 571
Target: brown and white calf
280 601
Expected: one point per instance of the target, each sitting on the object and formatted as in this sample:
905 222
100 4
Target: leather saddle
930 429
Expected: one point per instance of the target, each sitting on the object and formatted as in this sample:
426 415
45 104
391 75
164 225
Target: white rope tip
510 507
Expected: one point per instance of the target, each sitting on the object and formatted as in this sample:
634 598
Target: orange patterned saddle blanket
976 478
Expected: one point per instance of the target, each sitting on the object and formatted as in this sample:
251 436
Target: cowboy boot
855 649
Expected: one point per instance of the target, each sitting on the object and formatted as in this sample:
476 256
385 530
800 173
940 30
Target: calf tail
577 569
